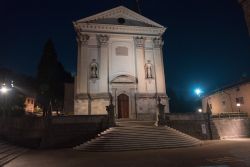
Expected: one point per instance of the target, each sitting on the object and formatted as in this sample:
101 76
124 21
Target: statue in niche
148 68
94 69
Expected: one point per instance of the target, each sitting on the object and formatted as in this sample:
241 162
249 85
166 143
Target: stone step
141 144
12 156
144 137
138 138
132 148
144 133
8 152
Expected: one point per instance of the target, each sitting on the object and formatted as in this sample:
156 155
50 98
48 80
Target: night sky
206 43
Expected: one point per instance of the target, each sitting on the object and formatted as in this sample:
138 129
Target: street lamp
198 91
200 110
4 89
238 105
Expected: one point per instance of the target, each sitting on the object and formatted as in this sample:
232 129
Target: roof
232 85
119 12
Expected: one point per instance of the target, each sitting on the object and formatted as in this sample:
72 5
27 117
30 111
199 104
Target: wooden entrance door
123 106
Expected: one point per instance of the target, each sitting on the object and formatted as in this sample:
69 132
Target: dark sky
206 43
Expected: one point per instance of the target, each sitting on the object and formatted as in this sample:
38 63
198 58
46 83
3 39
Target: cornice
109 28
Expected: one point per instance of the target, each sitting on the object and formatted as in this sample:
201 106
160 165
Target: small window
223 102
238 89
240 100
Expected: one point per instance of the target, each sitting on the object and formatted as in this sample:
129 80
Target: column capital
83 39
102 39
139 41
158 42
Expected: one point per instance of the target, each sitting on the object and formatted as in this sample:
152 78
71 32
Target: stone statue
148 68
111 113
161 116
94 69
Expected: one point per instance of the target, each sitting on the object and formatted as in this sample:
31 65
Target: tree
51 77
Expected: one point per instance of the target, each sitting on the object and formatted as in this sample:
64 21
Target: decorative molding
82 38
158 42
99 96
151 95
139 42
107 28
124 79
102 40
81 96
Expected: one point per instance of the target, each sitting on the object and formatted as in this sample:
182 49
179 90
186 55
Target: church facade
119 58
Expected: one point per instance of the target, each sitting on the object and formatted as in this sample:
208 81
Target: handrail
230 115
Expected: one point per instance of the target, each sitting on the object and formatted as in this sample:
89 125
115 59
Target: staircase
138 137
9 152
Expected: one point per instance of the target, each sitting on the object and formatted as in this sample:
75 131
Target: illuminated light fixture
198 91
4 89
238 104
12 84
199 110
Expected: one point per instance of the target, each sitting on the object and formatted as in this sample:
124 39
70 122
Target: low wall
232 127
199 126
62 131
192 124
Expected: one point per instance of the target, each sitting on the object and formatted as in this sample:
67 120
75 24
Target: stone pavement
226 153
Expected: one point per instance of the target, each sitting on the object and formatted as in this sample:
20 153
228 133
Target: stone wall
191 124
197 125
232 127
36 132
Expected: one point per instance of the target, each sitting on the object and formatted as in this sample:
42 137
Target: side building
230 100
119 55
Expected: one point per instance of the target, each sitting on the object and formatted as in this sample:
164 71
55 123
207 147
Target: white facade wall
121 53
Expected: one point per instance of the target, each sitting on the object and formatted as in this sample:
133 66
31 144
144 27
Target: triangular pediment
116 15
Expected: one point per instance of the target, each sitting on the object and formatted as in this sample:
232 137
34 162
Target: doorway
123 106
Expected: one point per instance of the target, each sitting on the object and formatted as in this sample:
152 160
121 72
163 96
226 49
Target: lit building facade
231 99
119 55
29 104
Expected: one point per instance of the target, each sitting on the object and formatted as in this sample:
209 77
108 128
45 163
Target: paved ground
233 153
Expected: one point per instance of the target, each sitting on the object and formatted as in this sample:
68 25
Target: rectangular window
223 102
240 100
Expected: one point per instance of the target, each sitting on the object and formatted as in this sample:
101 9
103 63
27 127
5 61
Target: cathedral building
120 59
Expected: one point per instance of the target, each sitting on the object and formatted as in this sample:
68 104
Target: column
104 58
159 67
140 62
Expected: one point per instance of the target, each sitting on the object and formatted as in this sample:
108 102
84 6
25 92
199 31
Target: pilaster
159 67
140 62
104 58
82 69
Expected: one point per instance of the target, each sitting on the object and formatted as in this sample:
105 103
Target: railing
231 115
